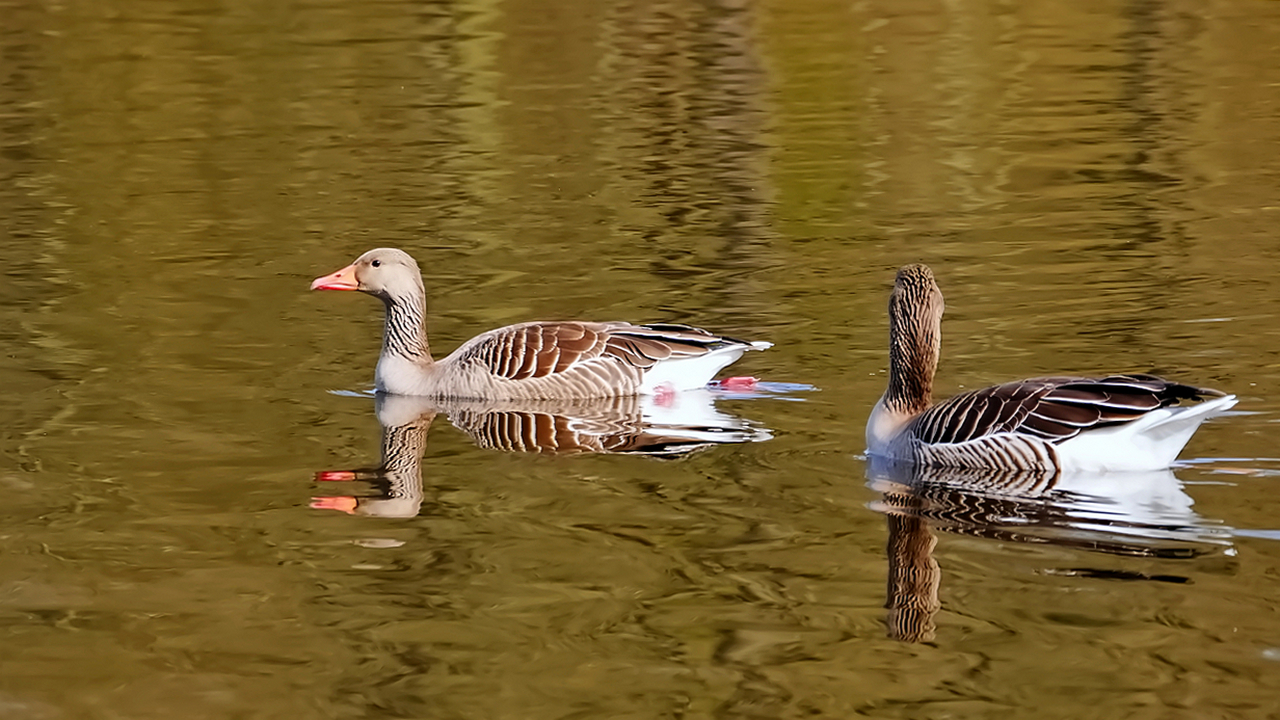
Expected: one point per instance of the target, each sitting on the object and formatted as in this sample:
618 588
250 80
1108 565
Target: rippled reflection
674 426
1140 514
1098 178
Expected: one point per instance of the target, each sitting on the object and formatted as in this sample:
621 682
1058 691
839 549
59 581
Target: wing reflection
1138 514
676 426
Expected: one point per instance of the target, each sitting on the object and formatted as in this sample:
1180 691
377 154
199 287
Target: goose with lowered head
532 360
1115 423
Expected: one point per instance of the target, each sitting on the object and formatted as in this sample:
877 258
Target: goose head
916 297
385 273
915 337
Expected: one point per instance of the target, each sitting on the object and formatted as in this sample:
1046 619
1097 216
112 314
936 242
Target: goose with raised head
1119 422
532 360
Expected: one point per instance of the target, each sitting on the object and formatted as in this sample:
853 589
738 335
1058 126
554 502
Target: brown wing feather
534 350
608 425
524 356
574 343
1053 408
1003 408
679 339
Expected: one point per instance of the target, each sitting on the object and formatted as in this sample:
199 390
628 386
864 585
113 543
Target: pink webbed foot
664 395
737 384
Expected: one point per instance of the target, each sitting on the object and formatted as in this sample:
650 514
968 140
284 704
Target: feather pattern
528 361
1122 422
634 425
611 425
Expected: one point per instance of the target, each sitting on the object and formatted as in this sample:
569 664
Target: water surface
1093 184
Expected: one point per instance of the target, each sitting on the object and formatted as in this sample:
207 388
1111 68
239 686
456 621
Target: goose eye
376 263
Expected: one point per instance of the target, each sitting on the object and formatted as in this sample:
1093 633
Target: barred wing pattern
539 349
1019 422
1053 409
549 433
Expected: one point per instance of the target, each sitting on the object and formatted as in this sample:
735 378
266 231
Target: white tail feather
691 373
1150 442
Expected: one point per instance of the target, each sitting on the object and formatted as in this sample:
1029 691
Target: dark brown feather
967 414
1052 408
1047 429
1069 414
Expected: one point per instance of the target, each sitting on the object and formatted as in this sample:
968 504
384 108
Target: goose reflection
664 427
1137 514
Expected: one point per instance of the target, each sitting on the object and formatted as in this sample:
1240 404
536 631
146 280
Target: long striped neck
402 449
405 332
914 576
915 337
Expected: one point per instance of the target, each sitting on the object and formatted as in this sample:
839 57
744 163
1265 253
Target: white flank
691 373
1151 442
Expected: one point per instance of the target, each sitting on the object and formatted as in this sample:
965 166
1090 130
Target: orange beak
341 503
335 476
344 279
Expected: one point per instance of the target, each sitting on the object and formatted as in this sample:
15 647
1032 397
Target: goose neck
914 341
405 333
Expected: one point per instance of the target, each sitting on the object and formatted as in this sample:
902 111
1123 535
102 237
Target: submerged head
383 272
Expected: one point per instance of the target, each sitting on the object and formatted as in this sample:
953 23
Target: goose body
532 360
618 425
1114 423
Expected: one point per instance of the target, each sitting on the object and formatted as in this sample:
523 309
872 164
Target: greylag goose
619 425
1119 422
1147 515
532 360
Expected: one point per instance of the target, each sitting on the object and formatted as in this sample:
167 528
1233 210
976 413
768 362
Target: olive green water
1095 185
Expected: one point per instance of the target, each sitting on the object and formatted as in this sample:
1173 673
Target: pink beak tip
344 279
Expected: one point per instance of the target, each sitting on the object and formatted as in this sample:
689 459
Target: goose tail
1149 443
1186 418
